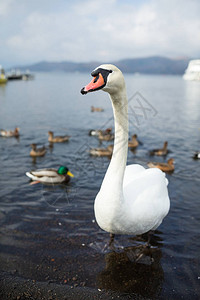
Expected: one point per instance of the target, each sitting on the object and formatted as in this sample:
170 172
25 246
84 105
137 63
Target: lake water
48 232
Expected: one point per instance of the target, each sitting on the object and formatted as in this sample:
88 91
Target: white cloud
5 7
103 30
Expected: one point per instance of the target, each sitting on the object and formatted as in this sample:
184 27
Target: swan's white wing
146 196
132 172
145 181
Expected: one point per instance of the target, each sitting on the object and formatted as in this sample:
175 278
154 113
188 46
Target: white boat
193 70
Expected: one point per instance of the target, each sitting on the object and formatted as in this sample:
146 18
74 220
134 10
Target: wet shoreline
12 288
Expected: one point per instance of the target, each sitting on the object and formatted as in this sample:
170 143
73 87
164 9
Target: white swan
132 200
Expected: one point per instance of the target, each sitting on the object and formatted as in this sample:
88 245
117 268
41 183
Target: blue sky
105 30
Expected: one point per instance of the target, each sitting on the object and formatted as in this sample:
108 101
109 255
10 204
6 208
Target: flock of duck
133 143
46 175
49 175
132 199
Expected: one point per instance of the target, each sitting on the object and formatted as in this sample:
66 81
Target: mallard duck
51 175
160 152
133 143
196 155
57 139
131 200
102 151
37 151
10 133
99 109
165 167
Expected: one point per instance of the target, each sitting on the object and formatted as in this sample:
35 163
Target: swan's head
106 77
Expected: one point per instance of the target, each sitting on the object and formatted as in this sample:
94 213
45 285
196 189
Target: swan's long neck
115 172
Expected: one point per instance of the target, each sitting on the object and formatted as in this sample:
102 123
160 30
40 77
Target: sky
97 30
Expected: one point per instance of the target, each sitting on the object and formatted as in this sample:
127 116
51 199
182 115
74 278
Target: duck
10 133
102 151
162 151
57 139
51 175
98 109
94 132
106 135
37 151
97 132
165 167
133 143
196 155
132 200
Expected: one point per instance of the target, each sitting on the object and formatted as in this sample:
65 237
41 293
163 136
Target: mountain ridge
144 65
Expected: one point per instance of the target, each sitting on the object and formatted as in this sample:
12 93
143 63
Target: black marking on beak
83 92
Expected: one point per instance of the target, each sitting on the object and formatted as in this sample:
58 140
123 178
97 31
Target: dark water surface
48 232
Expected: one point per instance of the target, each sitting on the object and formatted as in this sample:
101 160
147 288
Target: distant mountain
148 65
65 66
154 65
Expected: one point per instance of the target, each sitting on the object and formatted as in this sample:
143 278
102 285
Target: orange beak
96 84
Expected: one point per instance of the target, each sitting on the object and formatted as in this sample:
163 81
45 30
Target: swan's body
37 151
57 139
132 200
10 133
165 167
50 175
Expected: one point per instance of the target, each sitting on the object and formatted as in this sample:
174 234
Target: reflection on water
124 273
49 233
134 269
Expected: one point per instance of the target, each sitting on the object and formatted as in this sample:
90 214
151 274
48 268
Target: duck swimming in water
196 155
37 151
102 151
133 143
57 139
49 175
165 167
160 152
10 133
